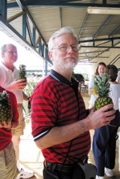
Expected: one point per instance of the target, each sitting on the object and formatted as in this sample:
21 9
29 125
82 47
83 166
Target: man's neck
9 66
67 73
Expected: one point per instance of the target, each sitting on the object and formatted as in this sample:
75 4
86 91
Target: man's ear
50 56
2 54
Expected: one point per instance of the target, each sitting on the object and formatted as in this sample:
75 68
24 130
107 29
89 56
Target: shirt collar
7 69
62 79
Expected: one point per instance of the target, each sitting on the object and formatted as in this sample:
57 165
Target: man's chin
70 65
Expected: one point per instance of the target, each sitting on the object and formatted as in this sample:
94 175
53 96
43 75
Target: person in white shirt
118 77
104 140
9 79
101 68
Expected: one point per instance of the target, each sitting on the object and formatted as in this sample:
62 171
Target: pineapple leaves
22 72
102 85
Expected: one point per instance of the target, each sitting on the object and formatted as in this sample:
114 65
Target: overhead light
103 10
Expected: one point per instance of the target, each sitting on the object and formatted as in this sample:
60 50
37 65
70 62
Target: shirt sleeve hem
38 136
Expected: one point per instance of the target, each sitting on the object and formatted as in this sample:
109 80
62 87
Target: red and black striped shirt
57 102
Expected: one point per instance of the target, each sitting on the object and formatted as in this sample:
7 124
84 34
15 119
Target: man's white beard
68 66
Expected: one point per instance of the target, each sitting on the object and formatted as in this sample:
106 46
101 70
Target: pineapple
22 72
5 107
102 88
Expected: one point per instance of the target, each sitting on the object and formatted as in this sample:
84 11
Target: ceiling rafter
102 26
104 40
60 12
64 3
113 32
24 8
26 24
100 53
15 16
84 21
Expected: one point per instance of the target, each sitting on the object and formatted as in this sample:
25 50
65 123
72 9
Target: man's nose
69 49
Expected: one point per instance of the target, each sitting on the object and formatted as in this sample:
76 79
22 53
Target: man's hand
8 124
101 117
5 124
17 84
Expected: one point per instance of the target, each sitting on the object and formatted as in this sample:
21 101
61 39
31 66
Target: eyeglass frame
67 48
11 52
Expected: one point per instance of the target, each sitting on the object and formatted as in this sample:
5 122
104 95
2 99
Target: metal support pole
3 8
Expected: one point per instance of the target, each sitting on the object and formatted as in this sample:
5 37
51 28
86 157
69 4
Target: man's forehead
65 38
10 47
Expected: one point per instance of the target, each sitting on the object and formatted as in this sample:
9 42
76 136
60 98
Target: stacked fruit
102 87
5 107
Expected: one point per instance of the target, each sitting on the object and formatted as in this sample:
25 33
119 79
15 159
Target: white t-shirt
118 77
115 94
6 77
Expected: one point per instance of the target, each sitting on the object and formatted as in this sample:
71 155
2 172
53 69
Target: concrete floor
31 158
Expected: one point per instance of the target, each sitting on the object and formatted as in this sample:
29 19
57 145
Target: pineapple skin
102 101
5 107
102 87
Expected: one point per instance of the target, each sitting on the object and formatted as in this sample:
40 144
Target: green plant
31 83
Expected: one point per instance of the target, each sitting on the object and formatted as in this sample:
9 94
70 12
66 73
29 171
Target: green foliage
22 72
31 83
102 84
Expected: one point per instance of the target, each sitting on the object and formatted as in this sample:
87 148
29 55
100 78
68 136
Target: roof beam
45 49
28 23
8 29
90 52
100 53
15 16
83 24
114 31
63 3
102 26
3 8
24 8
105 40
60 12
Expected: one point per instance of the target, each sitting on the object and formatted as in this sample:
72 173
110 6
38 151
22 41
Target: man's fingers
5 124
107 107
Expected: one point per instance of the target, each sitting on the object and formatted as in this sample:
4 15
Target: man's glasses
11 52
65 48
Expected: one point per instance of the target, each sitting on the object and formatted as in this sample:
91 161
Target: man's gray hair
3 48
63 30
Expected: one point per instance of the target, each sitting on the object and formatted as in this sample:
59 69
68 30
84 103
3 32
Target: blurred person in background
118 77
104 140
101 68
9 79
8 164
